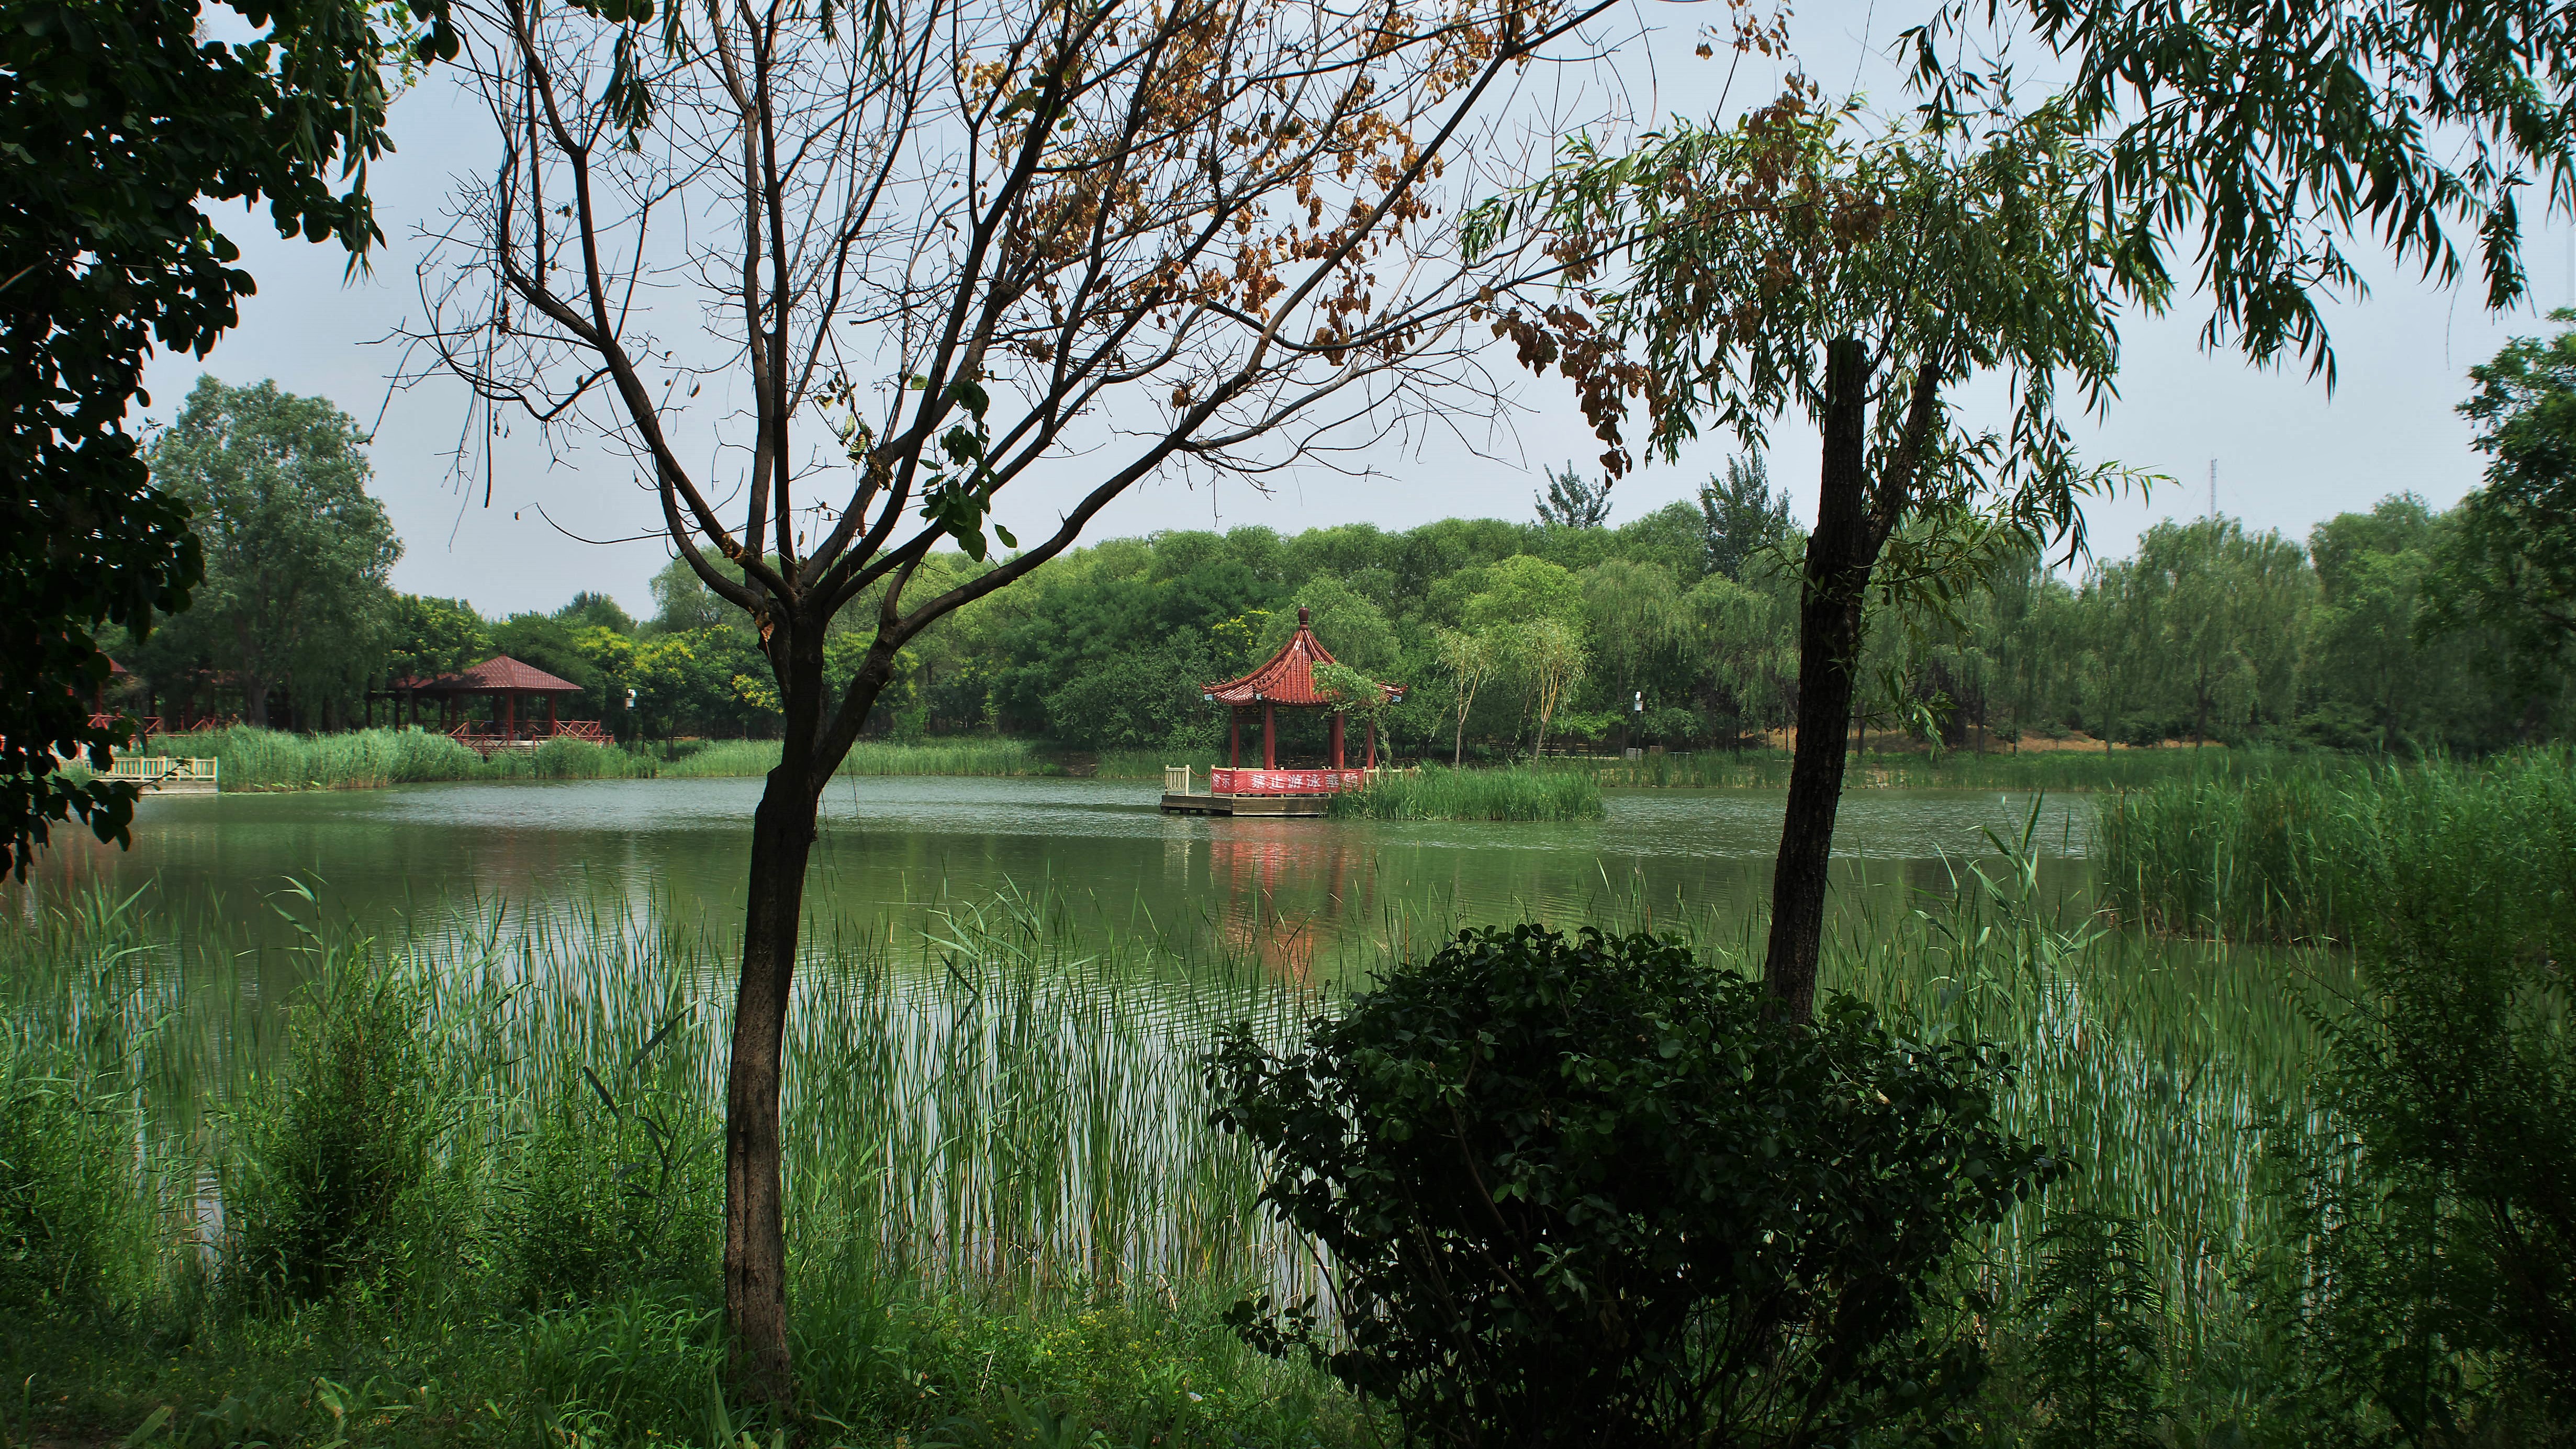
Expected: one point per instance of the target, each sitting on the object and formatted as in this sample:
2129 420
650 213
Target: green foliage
1438 792
64 1190
2096 1320
617 1187
118 122
2438 1202
430 637
1740 517
2510 566
2315 852
2233 136
297 554
1587 1191
1133 700
336 1180
1572 502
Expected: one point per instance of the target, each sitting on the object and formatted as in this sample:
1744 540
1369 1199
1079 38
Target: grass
1010 1224
259 760
1437 792
2057 770
256 759
962 755
1003 1205
2304 853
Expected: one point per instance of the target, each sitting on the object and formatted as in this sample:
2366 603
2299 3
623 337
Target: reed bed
1437 792
2309 853
1005 1102
2055 770
978 755
257 759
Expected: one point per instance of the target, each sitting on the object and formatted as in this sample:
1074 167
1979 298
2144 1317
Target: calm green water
894 847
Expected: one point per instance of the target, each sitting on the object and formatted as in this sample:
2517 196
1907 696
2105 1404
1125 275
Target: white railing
1176 779
162 769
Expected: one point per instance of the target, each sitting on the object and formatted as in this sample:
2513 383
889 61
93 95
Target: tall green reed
967 755
2311 853
1437 792
1768 769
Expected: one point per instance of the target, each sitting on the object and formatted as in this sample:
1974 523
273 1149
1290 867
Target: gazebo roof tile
494 675
1288 677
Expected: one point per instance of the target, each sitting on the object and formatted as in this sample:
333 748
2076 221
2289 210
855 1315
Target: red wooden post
1233 738
550 716
1337 739
510 715
1269 735
1372 744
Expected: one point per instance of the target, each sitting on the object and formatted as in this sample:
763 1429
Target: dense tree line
1677 628
2387 629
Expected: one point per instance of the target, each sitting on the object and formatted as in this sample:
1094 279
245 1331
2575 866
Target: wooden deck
1299 805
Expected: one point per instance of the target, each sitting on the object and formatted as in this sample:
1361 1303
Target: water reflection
894 849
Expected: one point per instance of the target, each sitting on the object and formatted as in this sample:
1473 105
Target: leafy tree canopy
297 554
117 124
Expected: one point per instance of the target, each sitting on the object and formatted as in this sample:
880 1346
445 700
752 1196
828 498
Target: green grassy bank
1004 1203
1436 792
1951 769
2310 852
467 1193
254 759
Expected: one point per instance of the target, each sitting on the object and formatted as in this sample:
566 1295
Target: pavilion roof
1288 677
499 674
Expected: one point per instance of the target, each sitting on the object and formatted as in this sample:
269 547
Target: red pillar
1372 744
1269 735
1337 739
510 715
1233 738
550 716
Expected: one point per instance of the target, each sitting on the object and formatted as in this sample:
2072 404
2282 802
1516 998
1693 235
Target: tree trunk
255 703
782 842
1839 555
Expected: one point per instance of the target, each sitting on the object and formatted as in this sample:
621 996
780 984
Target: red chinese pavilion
507 683
1285 681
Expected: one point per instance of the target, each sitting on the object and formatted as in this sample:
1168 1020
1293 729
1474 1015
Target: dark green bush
2095 1317
621 1186
64 1193
335 1174
1588 1192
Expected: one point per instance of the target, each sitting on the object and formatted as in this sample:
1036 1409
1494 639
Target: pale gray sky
2288 456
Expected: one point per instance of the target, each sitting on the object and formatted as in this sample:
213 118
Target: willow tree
924 251
1786 265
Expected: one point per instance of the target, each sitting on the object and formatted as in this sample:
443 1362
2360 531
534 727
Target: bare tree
939 247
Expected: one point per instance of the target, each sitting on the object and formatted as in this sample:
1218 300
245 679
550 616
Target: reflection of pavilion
1253 865
1285 681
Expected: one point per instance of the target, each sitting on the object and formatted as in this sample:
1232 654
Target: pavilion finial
1303 614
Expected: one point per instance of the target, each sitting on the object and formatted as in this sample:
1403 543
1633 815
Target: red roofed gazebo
506 682
1286 681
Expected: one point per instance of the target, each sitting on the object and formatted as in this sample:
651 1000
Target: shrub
1587 1191
333 1179
2435 1215
2097 1311
62 1194
612 1189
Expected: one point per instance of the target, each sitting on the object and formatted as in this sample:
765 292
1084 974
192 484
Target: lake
893 848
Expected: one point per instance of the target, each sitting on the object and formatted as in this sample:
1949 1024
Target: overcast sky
2287 454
